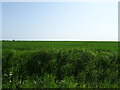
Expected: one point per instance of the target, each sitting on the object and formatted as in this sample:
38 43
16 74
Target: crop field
60 64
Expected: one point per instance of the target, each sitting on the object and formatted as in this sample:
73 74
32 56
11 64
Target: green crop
60 64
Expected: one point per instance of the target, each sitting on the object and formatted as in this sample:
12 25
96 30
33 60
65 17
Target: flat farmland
60 64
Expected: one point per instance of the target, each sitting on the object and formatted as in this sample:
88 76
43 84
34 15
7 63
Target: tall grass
53 66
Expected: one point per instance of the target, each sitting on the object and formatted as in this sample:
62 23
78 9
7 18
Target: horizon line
53 40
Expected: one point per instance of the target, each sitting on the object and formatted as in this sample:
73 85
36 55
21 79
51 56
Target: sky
81 21
0 21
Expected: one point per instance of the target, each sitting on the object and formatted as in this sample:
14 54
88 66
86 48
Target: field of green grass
59 64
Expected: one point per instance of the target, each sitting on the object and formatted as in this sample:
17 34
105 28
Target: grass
60 64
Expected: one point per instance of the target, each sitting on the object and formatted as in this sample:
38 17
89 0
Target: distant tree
13 40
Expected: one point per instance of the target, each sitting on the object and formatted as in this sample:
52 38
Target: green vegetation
60 64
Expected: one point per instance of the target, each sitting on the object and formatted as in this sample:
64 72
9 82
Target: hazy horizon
55 40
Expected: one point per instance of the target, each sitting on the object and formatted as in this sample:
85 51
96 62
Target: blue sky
60 21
